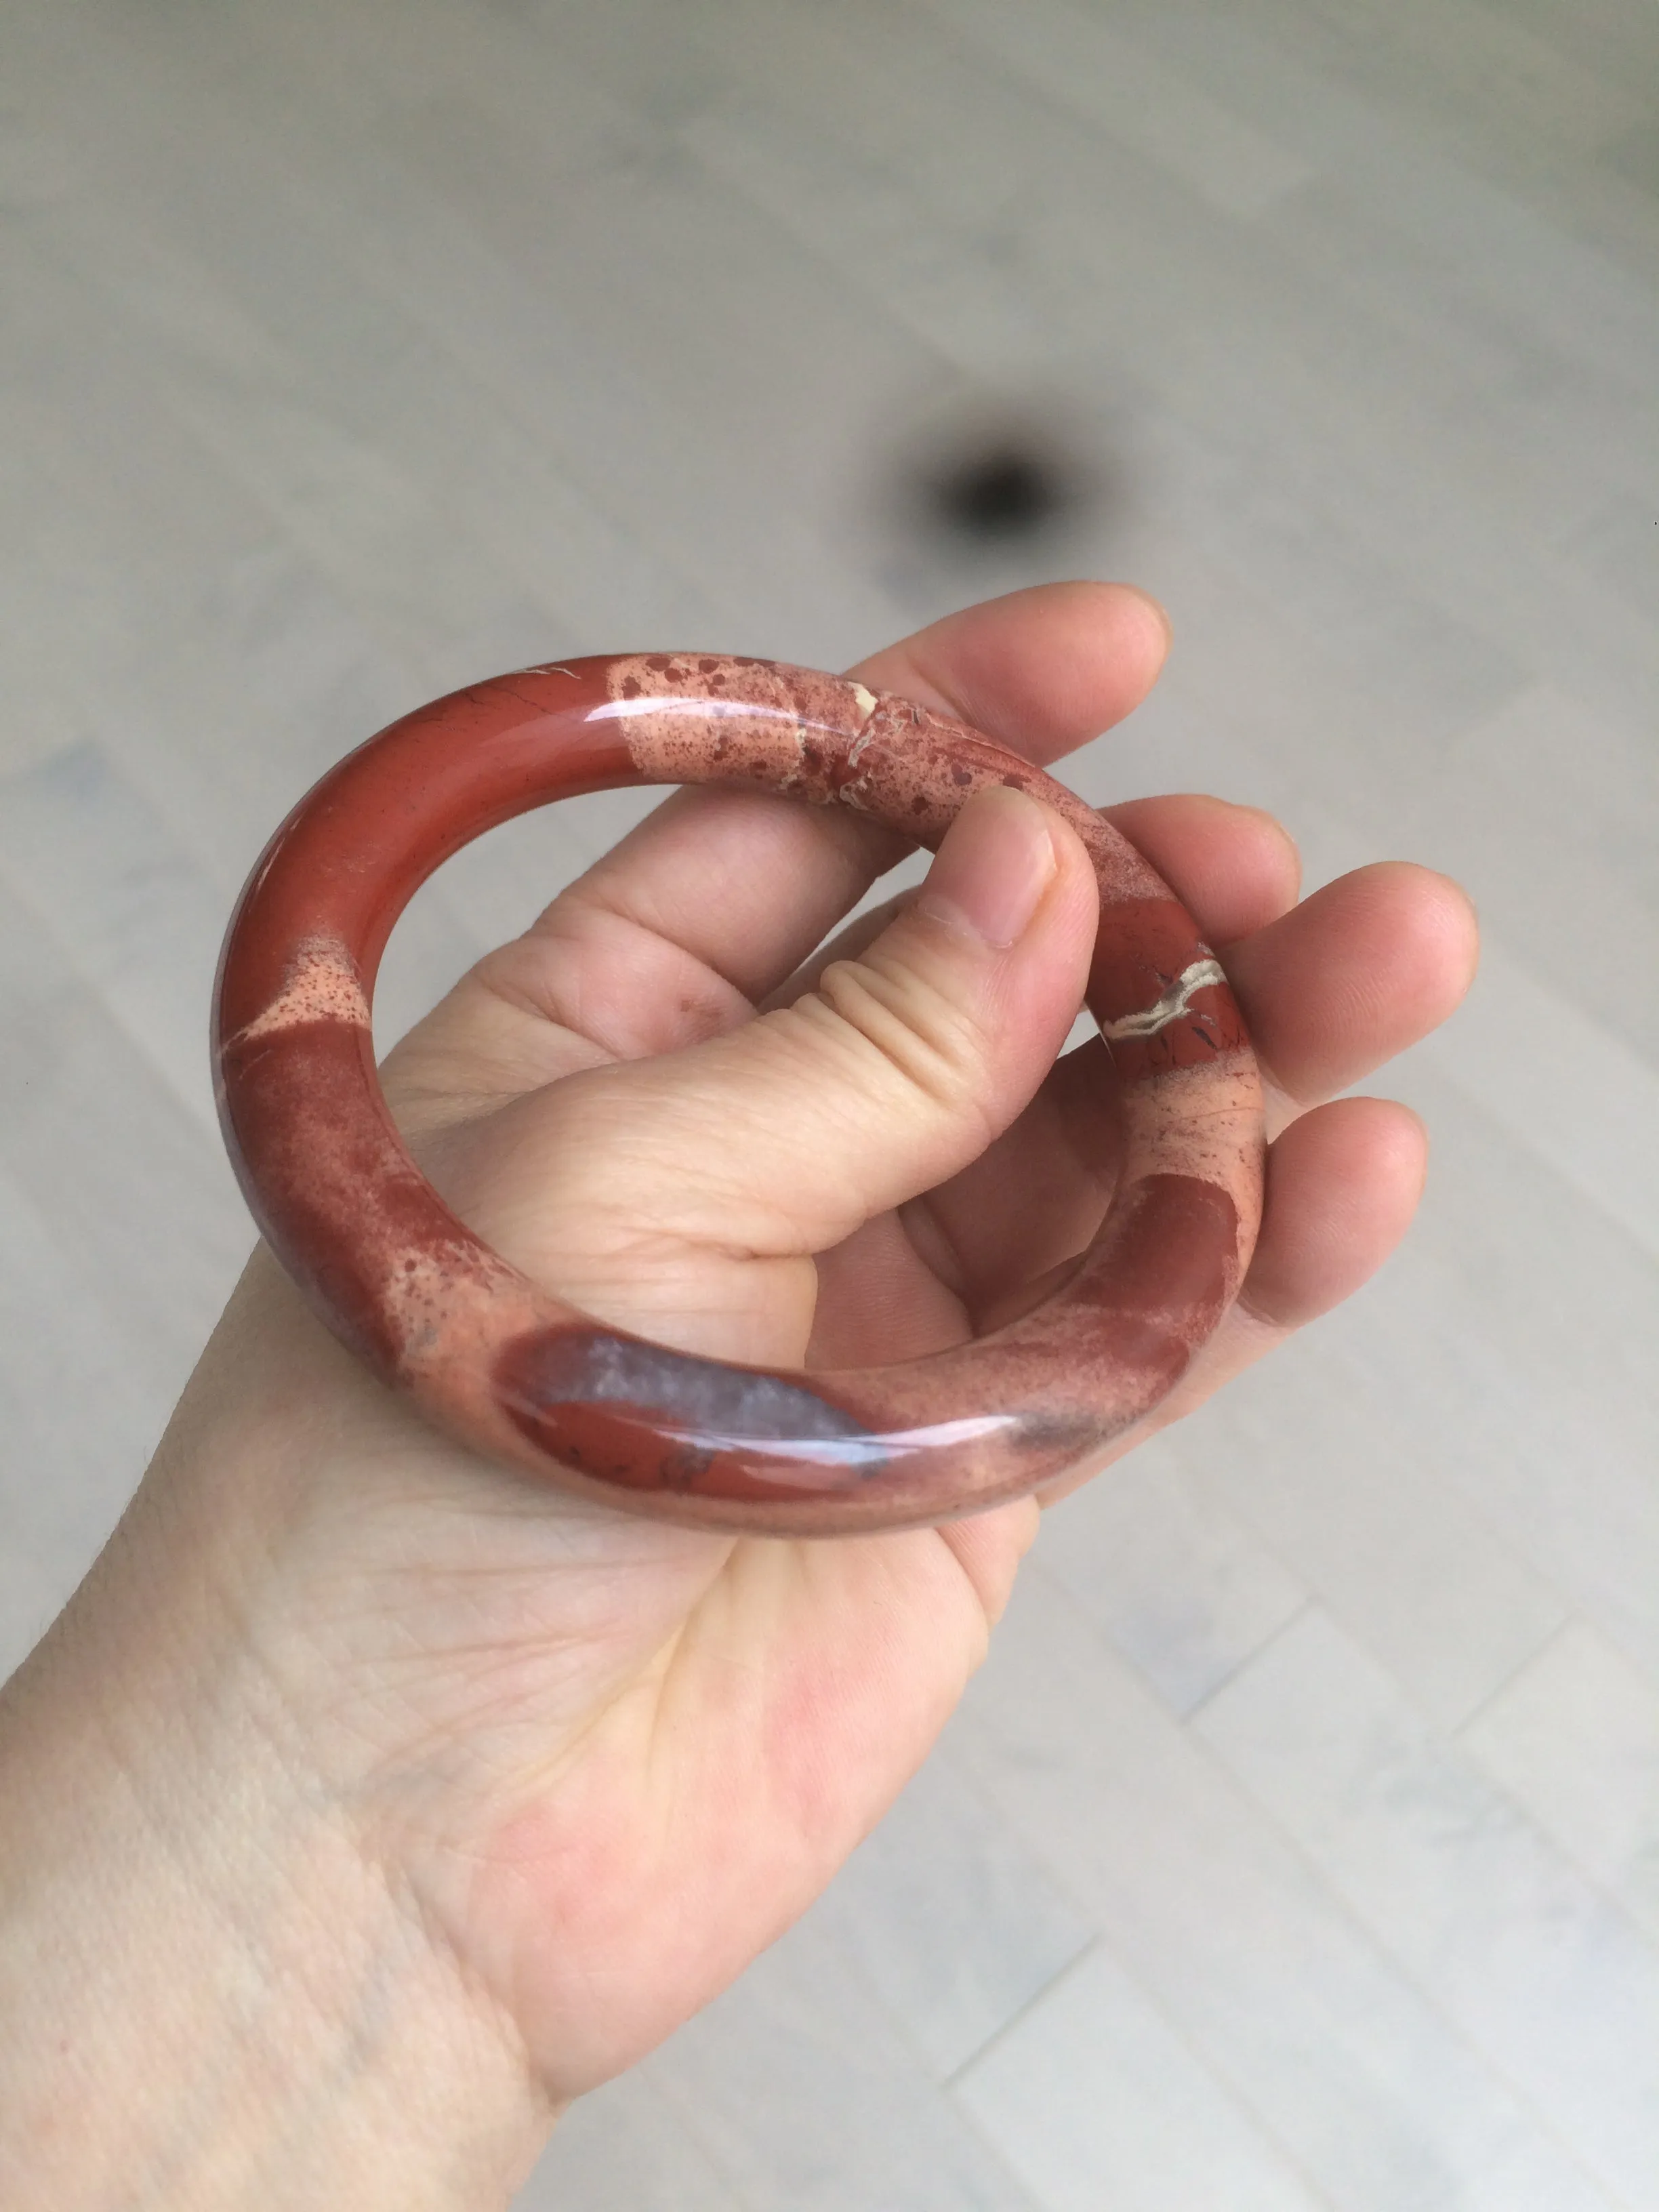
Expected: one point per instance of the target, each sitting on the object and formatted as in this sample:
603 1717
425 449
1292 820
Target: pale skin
369 1803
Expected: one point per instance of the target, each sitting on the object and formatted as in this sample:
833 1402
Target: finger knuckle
931 1043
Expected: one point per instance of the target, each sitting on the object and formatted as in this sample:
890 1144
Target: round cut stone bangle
510 1368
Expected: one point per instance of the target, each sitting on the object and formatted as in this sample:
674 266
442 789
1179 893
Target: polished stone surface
352 352
529 1379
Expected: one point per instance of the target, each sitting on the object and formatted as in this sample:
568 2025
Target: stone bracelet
511 1369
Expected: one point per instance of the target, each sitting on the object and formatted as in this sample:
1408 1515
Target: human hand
595 1762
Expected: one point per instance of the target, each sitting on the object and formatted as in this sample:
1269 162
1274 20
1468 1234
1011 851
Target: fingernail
989 875
1159 610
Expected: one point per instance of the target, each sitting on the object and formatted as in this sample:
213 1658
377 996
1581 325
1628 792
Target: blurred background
1299 1844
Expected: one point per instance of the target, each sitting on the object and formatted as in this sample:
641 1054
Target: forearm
211 1995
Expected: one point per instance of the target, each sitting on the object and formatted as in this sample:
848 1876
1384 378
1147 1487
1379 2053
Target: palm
619 1757
653 1745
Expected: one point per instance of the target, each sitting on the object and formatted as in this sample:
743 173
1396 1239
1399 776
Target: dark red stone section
509 1367
1149 948
1160 1252
352 854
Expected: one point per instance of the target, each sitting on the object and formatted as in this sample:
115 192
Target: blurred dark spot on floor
1002 491
998 489
967 492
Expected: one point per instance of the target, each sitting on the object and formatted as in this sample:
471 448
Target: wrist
210 1992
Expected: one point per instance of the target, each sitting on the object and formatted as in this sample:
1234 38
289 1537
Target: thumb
893 1071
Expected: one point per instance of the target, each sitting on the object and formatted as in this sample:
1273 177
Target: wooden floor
1299 1846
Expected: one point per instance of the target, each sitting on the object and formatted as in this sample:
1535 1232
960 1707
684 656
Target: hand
593 1763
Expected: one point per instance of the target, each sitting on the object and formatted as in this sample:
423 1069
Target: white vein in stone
1172 1007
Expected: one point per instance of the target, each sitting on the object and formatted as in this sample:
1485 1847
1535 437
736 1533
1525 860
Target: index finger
1042 671
746 885
700 913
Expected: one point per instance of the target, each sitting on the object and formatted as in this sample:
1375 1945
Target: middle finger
1331 990
714 898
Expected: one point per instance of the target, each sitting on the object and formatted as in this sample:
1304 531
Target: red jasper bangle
511 1370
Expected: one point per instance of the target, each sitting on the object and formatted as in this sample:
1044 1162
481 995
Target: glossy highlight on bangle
508 1367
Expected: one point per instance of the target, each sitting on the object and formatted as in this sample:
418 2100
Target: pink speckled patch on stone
321 985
